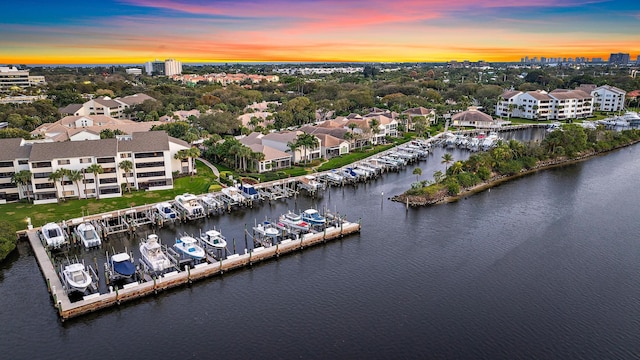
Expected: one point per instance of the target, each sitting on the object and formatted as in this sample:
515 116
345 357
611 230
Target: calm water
542 267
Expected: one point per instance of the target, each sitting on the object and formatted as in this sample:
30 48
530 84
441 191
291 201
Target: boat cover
125 268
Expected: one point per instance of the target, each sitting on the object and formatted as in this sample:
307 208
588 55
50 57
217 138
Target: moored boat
188 246
88 234
152 254
76 277
121 266
294 221
188 203
53 235
313 217
166 211
266 229
214 239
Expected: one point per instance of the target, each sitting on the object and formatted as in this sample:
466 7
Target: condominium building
558 104
151 154
619 59
172 67
169 67
608 98
11 77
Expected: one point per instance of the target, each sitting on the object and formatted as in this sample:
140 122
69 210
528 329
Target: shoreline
419 200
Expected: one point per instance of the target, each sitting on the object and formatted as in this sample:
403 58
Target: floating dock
96 301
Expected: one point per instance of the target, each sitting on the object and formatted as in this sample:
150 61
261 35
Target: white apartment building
608 98
172 67
151 153
11 77
559 104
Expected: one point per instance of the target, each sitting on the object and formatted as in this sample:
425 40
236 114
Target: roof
11 149
562 94
70 109
135 99
251 139
633 94
472 115
333 131
107 101
418 111
509 94
329 141
539 95
145 141
283 137
269 152
73 149
612 89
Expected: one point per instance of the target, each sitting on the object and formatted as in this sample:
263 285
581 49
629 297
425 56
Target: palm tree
294 146
417 172
22 178
181 155
256 157
375 127
447 159
456 168
126 166
96 169
56 176
307 141
438 176
193 154
76 176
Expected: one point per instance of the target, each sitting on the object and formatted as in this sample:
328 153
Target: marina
195 257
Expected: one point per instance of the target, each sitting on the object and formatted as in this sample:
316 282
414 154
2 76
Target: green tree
76 176
126 166
56 176
7 238
96 169
22 178
447 159
417 172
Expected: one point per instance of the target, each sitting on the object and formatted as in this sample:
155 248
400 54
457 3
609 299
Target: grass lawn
69 209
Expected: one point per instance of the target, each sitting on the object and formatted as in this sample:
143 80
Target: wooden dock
67 309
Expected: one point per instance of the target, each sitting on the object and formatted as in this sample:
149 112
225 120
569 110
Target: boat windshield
89 235
53 233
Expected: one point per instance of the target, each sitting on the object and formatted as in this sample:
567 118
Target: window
67 182
85 160
148 155
150 174
41 164
23 162
64 162
90 191
106 160
125 155
45 186
150 164
108 181
6 164
43 175
88 181
68 193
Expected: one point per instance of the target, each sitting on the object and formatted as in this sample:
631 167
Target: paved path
213 168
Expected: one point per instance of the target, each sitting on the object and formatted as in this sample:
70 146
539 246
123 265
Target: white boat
190 205
76 277
294 221
233 194
121 266
310 183
214 239
53 235
152 254
266 229
211 201
189 247
313 217
333 176
88 234
166 211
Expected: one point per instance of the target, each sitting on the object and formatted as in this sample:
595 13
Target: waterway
545 266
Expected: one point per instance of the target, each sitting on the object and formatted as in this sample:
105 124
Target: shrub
484 173
453 188
7 238
214 188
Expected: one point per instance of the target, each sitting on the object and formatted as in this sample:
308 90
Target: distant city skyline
200 31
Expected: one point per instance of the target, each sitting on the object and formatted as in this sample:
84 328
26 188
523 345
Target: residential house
151 153
419 112
88 127
608 98
332 141
274 159
473 117
104 105
281 141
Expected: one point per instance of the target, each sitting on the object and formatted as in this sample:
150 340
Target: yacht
189 204
153 256
293 221
313 217
121 267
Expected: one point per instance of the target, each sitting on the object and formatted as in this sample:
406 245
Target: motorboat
188 246
266 229
294 221
53 235
88 234
76 277
214 239
152 254
211 201
249 191
189 204
233 194
310 183
165 210
313 217
121 266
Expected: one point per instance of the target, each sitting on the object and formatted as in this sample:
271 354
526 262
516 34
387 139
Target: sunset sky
201 31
